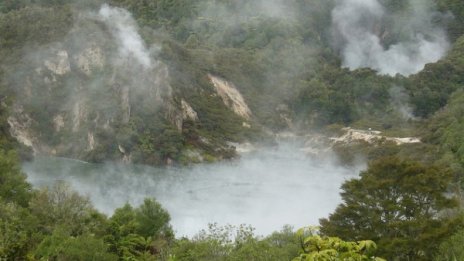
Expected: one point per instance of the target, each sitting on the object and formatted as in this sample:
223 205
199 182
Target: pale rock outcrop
193 155
91 141
188 113
174 115
59 64
121 149
78 115
127 158
231 97
90 58
246 125
58 121
20 125
370 136
320 144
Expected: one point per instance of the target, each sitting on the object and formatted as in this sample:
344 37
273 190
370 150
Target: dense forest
179 82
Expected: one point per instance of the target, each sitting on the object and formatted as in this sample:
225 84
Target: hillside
181 82
136 82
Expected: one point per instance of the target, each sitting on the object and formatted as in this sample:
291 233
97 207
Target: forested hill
164 82
157 82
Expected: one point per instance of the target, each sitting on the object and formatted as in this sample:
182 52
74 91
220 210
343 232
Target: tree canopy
400 204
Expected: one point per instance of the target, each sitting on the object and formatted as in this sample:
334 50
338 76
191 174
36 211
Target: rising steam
117 74
124 29
359 25
267 189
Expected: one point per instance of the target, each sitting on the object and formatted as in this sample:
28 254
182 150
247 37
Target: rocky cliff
102 94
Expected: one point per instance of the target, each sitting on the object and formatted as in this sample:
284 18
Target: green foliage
13 185
154 142
15 230
451 249
61 246
445 128
8 5
33 24
153 220
159 13
456 25
143 231
396 203
217 123
431 88
236 244
317 248
335 95
60 206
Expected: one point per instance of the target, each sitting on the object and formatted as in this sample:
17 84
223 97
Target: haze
266 189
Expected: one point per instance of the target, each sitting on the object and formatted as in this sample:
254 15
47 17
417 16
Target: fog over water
266 189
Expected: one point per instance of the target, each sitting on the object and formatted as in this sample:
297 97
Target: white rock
59 64
231 97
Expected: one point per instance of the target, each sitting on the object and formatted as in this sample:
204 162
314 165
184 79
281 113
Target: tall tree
399 204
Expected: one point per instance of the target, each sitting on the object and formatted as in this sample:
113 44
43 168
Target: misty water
266 189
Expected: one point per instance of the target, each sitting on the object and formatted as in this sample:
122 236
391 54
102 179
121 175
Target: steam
98 76
358 24
400 101
124 29
267 189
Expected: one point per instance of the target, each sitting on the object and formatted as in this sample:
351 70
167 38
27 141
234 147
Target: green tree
431 88
445 128
61 246
15 228
451 249
60 206
140 232
398 204
153 220
13 185
235 244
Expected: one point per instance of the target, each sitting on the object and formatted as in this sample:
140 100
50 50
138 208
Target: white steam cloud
359 25
124 29
266 190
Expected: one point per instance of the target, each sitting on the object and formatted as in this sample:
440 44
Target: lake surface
266 189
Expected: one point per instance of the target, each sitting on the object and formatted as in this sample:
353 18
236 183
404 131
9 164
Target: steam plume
123 28
358 23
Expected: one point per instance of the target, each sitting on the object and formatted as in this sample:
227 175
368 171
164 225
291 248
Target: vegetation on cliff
70 85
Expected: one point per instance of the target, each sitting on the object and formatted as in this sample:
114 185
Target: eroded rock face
101 94
58 64
231 97
89 59
20 126
58 120
91 141
81 93
188 113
